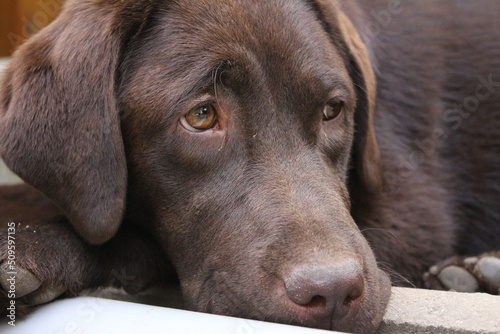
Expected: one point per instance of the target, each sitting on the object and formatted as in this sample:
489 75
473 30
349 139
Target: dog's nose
326 292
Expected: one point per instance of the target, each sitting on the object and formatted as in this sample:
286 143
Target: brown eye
200 118
333 109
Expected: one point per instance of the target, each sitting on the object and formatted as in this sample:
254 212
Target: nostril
332 291
316 302
355 290
350 299
355 294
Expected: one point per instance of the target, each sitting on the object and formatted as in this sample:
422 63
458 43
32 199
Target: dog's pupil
332 111
202 117
203 112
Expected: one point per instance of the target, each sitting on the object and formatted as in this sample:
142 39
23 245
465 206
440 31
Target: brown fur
267 215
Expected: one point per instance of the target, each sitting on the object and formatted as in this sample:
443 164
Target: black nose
329 292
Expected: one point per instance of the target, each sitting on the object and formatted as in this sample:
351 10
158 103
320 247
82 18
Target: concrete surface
413 311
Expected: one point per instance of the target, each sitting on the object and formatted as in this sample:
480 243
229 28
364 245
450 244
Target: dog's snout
326 292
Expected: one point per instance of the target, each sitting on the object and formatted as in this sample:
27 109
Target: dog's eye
200 118
333 109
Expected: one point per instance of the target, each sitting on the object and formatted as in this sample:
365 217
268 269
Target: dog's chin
223 296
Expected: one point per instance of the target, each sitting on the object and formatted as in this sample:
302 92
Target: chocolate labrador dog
280 159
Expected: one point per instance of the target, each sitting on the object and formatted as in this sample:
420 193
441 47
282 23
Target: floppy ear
59 119
366 149
366 152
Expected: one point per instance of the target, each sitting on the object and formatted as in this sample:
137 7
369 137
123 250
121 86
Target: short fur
246 213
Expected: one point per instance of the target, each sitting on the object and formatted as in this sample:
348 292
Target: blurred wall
19 19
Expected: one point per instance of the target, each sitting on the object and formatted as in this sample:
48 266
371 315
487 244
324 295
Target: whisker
384 232
396 278
215 76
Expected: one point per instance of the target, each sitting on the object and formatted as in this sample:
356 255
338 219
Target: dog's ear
366 149
59 117
366 153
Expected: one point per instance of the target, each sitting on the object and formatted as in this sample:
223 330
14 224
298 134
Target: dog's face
238 128
249 129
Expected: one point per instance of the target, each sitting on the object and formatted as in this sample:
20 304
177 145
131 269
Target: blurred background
19 19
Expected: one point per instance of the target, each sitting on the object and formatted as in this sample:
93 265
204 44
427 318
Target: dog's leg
39 262
466 274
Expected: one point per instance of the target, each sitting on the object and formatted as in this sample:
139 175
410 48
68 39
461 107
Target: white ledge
96 316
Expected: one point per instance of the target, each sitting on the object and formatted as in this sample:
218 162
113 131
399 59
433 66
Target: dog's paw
466 274
18 282
38 263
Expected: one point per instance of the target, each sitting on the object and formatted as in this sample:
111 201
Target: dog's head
231 127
